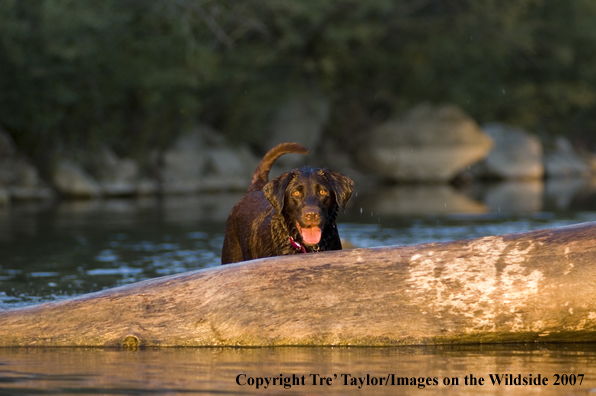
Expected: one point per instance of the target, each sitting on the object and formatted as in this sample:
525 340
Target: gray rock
117 188
110 167
17 171
564 161
7 146
107 175
116 176
73 181
147 187
515 155
221 161
4 197
201 161
183 164
299 120
228 168
31 193
590 158
19 179
427 144
333 157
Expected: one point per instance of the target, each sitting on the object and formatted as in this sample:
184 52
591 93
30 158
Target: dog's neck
297 246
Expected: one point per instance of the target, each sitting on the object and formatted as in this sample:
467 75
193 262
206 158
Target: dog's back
250 214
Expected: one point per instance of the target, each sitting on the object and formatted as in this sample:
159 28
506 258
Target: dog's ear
342 186
275 190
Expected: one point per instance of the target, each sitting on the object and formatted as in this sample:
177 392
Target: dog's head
308 199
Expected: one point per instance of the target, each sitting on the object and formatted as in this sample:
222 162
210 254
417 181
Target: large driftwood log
525 287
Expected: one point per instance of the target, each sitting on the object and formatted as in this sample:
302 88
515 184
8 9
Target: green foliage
133 73
81 75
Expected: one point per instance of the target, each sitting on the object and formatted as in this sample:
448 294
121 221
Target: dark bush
131 74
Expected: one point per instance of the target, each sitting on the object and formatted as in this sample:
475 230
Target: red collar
296 245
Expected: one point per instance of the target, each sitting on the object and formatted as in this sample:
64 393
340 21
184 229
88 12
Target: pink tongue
311 235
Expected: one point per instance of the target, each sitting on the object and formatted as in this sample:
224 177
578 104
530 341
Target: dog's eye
296 193
323 192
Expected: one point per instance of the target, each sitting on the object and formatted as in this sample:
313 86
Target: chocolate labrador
293 213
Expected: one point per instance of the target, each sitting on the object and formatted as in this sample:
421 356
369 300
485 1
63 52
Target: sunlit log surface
524 287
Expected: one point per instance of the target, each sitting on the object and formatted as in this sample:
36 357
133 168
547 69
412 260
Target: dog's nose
311 216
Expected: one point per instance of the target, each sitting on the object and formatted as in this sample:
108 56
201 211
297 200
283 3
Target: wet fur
262 222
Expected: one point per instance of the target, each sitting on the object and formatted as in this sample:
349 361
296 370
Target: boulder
515 155
4 197
332 156
590 158
301 120
17 171
427 144
563 161
107 175
200 160
73 181
7 146
183 164
116 176
146 187
19 179
42 192
228 168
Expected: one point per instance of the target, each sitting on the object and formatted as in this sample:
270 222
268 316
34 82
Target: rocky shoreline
427 145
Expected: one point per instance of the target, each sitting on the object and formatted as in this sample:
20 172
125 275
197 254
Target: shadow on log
524 287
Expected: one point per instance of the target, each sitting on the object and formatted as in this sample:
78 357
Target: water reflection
214 371
514 196
521 197
419 200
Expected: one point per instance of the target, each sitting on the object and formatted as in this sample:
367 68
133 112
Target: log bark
524 287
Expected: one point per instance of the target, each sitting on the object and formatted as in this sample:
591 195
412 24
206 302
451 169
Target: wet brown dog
293 213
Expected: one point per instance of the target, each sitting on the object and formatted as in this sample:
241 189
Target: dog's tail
261 175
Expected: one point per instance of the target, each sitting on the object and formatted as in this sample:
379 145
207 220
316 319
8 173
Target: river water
53 251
